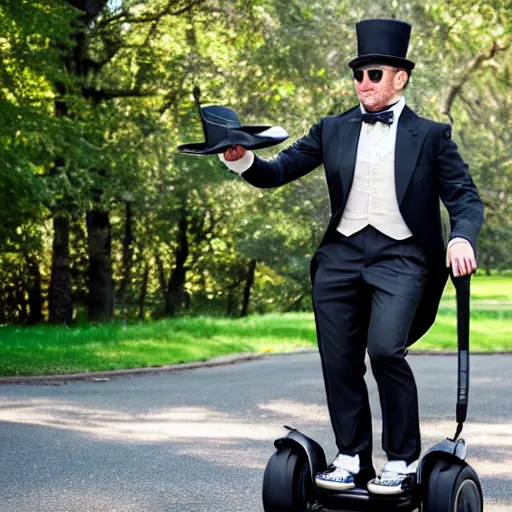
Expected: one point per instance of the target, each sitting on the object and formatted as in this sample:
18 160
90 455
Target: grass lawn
45 350
491 317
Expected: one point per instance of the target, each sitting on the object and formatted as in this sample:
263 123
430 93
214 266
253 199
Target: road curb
217 361
105 375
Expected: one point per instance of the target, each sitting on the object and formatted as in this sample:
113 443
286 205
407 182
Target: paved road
198 441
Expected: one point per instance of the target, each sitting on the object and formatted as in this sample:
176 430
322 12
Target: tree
99 212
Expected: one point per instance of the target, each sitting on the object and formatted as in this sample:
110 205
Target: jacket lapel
348 137
409 138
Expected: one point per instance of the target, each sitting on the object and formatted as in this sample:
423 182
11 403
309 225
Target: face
377 95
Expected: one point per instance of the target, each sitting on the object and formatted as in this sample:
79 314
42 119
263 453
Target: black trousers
366 291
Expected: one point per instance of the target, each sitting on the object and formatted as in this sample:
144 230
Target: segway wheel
286 481
453 488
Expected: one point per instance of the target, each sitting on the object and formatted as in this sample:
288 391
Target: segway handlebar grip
462 289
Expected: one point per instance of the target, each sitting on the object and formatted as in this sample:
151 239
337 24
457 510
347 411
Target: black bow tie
382 117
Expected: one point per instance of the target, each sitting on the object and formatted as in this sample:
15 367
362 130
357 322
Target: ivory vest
372 197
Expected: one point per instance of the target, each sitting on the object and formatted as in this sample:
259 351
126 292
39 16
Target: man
382 265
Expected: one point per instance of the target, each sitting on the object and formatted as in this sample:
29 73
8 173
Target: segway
445 481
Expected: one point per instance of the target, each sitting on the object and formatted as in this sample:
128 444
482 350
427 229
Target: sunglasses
375 75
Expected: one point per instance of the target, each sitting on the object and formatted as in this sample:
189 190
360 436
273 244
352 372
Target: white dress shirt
372 197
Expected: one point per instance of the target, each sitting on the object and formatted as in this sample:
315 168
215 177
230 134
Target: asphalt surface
199 440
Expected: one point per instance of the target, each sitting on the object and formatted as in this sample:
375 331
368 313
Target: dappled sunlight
43 499
294 409
227 455
484 434
496 506
204 422
482 438
224 438
172 424
486 468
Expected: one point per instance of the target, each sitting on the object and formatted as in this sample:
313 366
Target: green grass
491 317
48 350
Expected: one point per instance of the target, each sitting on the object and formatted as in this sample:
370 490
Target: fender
313 451
453 452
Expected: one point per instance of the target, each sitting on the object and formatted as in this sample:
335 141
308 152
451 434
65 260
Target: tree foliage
95 96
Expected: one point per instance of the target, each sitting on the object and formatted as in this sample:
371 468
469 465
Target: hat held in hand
222 129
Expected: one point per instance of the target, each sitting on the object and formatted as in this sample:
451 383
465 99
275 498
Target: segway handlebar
462 292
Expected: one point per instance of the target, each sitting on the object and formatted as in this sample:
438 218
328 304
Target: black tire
452 488
286 482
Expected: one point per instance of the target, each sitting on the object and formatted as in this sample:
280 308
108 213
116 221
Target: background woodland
101 219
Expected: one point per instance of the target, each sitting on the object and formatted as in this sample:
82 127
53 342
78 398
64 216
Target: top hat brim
249 137
377 58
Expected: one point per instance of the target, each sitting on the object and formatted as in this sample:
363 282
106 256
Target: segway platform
445 481
288 483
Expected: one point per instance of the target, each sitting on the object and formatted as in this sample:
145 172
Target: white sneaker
397 477
339 476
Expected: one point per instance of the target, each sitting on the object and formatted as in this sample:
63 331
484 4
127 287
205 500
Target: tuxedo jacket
428 167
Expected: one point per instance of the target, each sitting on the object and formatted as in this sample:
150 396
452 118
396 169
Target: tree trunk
91 7
59 295
101 287
162 281
21 301
231 306
249 281
35 299
175 294
143 291
127 255
60 299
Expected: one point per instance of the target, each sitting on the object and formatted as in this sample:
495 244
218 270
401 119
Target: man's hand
234 153
461 258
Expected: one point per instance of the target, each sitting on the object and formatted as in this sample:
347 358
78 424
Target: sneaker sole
384 490
334 486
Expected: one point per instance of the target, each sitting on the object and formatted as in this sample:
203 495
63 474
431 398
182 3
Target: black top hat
222 129
382 42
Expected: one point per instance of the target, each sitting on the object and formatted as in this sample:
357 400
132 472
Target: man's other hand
461 258
234 153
